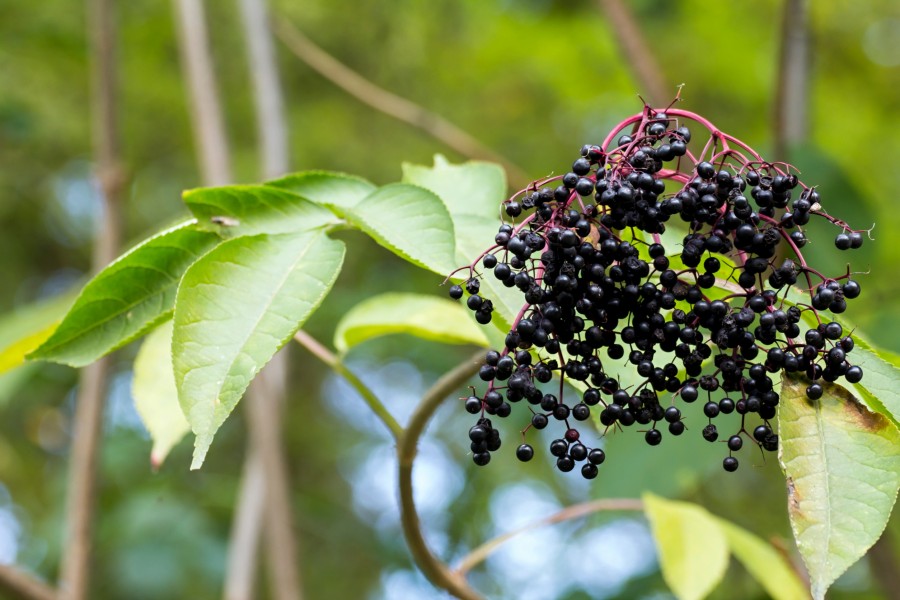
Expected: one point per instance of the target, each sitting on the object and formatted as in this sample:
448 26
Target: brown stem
271 124
246 527
206 110
407 446
391 104
480 553
264 406
20 585
266 396
87 429
636 50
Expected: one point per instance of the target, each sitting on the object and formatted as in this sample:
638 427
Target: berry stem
337 365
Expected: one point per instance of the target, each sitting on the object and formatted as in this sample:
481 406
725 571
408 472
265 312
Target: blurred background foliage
532 79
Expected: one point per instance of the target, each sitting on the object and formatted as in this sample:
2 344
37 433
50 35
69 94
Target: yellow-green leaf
423 316
842 464
693 549
155 395
764 563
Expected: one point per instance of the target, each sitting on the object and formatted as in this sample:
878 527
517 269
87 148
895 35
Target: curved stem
407 445
332 360
480 553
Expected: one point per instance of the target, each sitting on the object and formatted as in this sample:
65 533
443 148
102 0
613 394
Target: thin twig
18 584
636 51
338 366
407 446
480 553
267 395
76 570
391 104
206 110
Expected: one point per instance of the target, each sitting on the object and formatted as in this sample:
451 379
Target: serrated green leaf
155 395
237 210
127 298
326 187
764 563
472 188
693 549
842 464
409 221
26 328
235 308
881 379
423 316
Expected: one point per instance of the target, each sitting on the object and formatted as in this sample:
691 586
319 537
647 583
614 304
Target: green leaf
881 379
693 549
237 210
26 328
326 187
842 464
155 395
423 316
409 221
473 188
127 298
235 308
764 563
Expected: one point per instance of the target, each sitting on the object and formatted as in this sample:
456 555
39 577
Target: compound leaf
127 298
842 464
235 308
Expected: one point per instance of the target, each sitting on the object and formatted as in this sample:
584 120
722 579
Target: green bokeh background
532 79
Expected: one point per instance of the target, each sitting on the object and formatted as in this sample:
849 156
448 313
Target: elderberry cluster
712 319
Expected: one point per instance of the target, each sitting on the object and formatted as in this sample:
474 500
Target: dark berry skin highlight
705 317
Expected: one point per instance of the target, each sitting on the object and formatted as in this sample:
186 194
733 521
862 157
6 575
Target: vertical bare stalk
271 124
76 561
636 51
792 88
206 110
215 165
266 396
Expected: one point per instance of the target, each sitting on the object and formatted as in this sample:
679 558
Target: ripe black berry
524 452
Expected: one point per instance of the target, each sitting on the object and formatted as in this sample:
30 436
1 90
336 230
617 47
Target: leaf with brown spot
842 464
